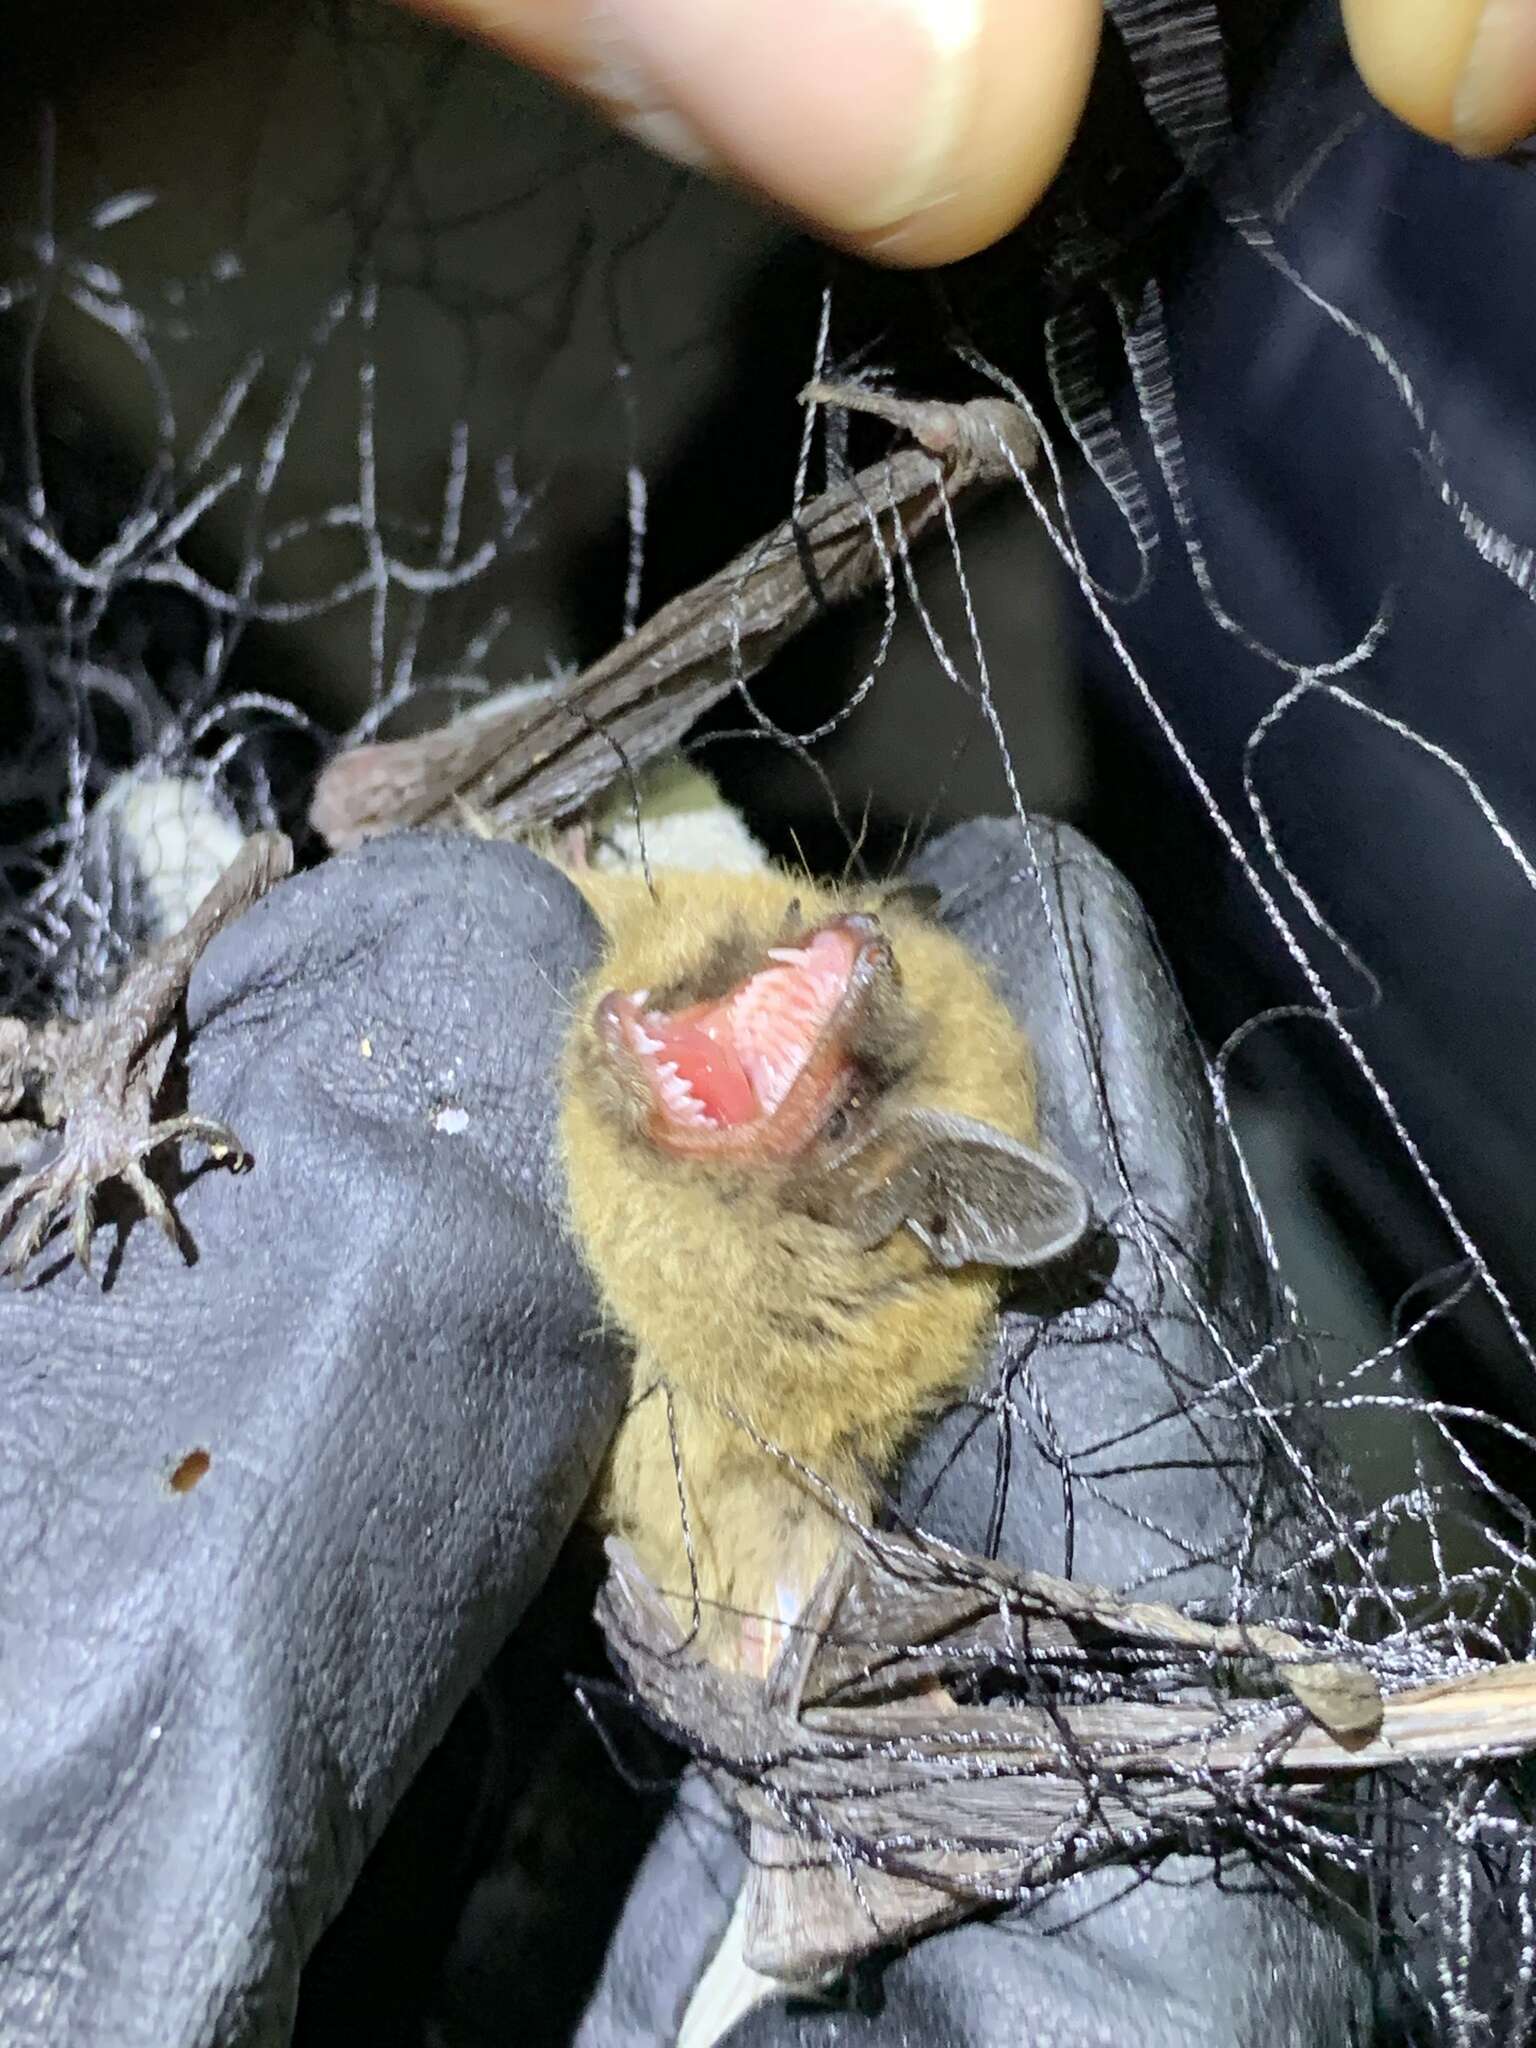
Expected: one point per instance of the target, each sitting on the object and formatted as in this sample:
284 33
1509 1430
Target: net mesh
256 541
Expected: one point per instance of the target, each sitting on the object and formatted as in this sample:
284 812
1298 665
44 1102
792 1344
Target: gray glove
1130 1463
213 1691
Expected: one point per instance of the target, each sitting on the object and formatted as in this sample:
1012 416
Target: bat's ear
968 1192
921 898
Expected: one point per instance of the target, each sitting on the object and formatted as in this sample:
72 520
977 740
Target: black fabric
1314 505
212 1698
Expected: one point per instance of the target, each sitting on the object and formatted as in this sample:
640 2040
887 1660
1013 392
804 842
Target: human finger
913 131
1463 71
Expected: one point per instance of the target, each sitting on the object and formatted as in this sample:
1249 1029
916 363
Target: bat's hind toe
106 1145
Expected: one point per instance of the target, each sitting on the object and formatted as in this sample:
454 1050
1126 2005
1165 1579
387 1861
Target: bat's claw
223 1145
154 1205
103 1142
83 1224
94 1083
24 1224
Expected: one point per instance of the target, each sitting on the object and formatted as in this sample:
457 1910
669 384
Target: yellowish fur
748 1318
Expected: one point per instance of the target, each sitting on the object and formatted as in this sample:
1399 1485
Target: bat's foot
94 1083
104 1140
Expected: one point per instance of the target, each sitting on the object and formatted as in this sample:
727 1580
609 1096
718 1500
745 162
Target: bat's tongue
700 1076
730 1062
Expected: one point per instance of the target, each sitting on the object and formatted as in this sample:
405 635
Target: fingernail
944 36
1495 103
618 77
849 111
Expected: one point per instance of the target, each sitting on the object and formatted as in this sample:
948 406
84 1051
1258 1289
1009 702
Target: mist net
1225 1567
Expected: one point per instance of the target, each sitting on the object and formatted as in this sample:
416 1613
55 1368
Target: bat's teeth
774 1077
643 1041
679 1100
790 955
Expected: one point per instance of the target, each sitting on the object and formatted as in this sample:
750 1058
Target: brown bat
798 1132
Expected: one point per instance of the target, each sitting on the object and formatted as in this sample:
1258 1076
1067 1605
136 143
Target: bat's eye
840 1122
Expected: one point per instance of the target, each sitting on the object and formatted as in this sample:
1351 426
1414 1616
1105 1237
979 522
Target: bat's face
801 1061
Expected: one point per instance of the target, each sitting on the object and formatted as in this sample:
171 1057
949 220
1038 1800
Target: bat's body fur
780 1365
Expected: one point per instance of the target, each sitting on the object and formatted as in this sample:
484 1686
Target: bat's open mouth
759 1069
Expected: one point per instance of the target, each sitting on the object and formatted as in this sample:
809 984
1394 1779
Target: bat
801 1156
799 1141
865 1219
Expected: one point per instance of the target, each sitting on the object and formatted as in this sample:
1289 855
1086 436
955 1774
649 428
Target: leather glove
211 1698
